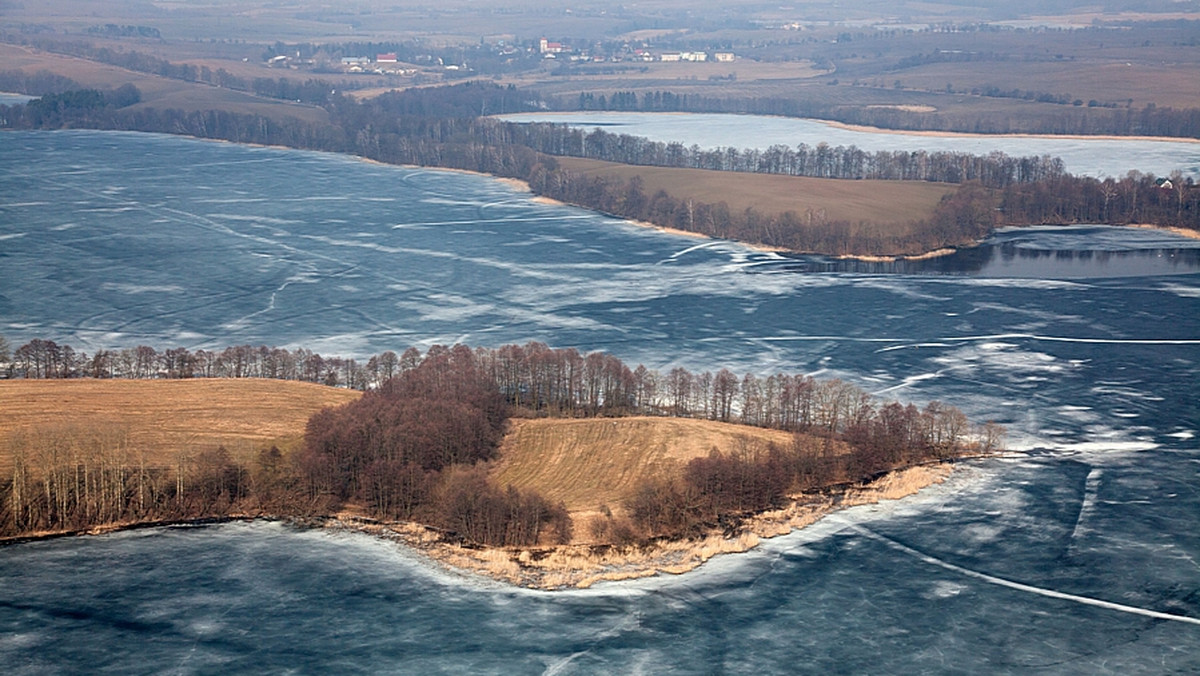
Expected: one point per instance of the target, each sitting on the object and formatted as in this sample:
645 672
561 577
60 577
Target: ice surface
1068 558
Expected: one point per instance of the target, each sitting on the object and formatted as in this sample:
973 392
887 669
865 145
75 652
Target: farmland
164 417
895 203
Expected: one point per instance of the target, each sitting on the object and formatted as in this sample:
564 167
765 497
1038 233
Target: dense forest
415 447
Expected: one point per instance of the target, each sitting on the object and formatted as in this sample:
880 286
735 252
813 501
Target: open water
1083 156
1079 554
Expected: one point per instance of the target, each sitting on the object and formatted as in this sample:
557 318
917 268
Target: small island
537 466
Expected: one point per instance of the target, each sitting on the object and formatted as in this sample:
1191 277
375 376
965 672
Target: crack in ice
1019 586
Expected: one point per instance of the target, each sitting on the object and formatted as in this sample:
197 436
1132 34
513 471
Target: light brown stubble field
163 417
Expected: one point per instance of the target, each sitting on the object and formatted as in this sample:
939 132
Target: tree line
50 110
46 359
68 477
36 83
535 378
995 170
961 218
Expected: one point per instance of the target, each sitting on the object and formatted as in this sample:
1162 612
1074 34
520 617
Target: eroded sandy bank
582 565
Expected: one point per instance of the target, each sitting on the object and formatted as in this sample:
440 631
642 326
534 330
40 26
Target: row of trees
36 83
54 109
534 377
995 170
47 359
1134 198
562 382
70 477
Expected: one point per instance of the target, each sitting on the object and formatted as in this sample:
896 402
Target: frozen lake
1083 156
10 99
1078 556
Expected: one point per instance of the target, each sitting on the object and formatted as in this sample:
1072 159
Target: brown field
897 202
1165 84
592 462
164 416
157 92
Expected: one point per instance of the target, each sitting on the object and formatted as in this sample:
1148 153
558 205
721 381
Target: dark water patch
1029 254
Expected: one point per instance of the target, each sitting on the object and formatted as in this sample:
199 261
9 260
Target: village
333 59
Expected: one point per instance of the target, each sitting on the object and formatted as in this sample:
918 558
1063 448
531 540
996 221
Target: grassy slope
163 416
891 202
591 462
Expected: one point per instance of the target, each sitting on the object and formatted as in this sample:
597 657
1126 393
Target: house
723 57
670 56
390 57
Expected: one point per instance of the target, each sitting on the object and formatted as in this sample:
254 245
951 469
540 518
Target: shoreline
524 186
571 566
964 134
580 566
936 253
1182 232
